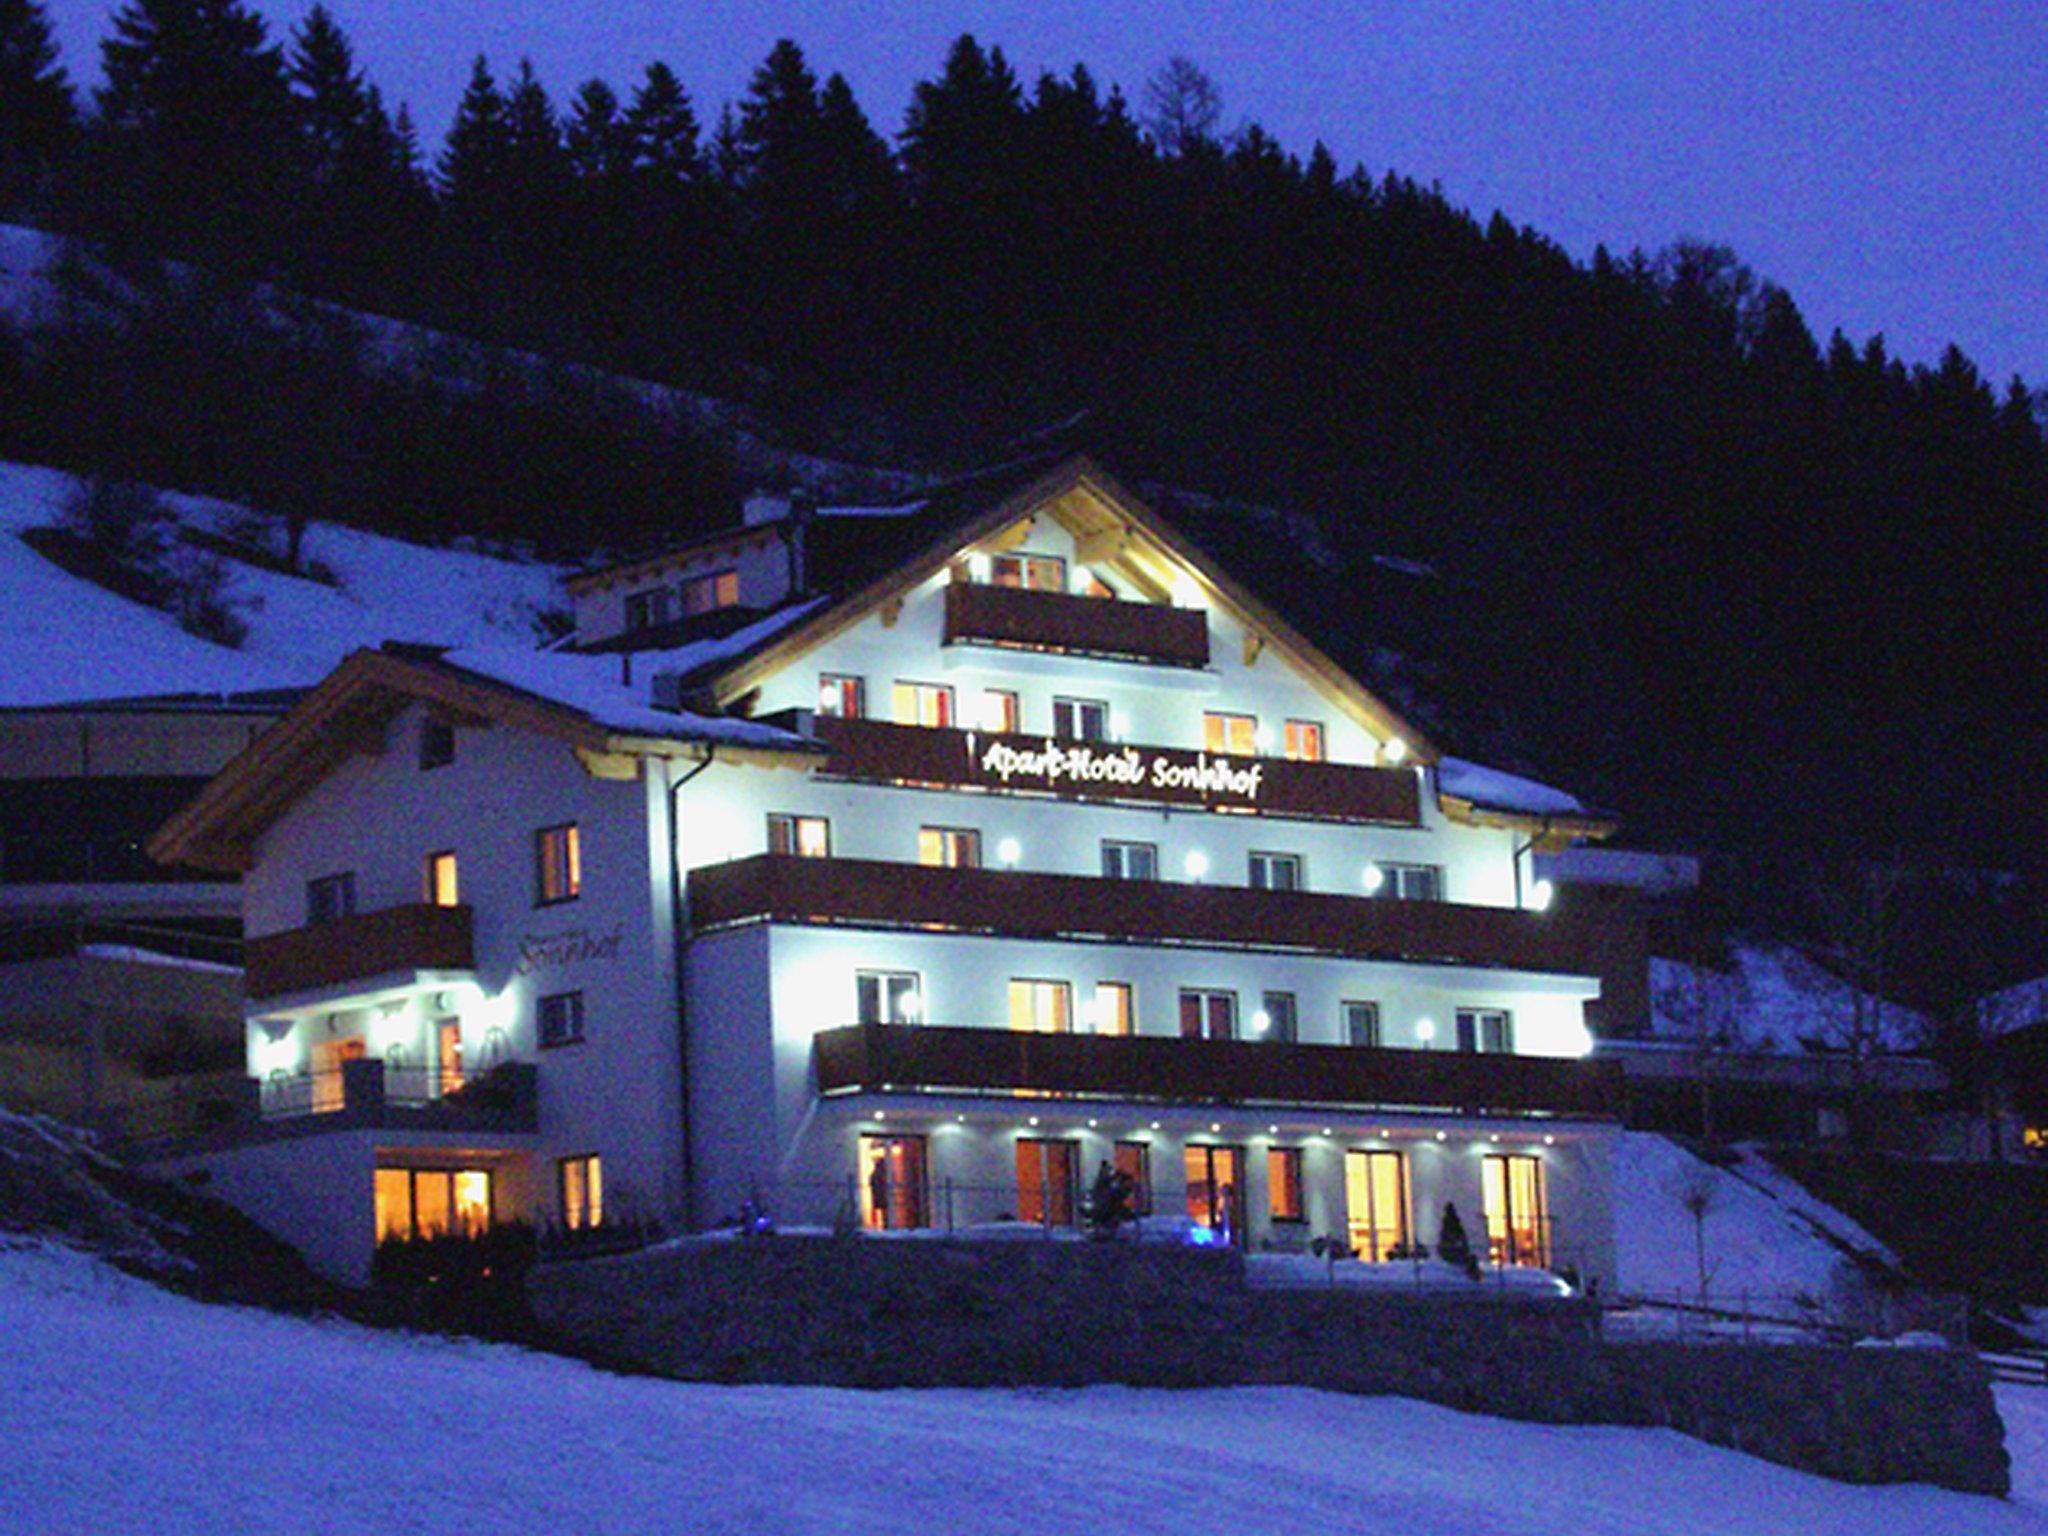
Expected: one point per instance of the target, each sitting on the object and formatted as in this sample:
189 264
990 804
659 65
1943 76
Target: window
558 863
1216 1188
1517 1221
1043 1007
1282 1021
1093 585
1361 1024
1041 573
1376 1200
1485 1029
1130 861
448 1052
949 847
999 711
1046 1177
646 610
923 704
888 997
1207 1015
439 880
1115 1013
1412 882
1304 741
1276 871
330 898
841 696
1133 1159
701 594
1283 1185
1236 735
1080 719
581 1180
892 1184
561 1018
808 837
430 1202
437 744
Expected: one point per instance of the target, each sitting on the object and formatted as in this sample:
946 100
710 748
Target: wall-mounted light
1425 1029
1541 894
1375 877
1008 852
1261 1021
1215 1127
1395 751
912 1005
1550 1141
977 567
1440 1136
1034 1119
1326 1130
1187 593
1197 864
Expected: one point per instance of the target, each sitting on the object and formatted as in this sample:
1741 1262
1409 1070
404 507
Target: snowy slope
130 1410
1764 1234
67 639
1773 999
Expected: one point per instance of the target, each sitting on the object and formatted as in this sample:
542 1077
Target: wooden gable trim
1552 833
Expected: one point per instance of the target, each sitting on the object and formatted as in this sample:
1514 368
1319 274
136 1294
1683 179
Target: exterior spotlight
1541 894
1261 1021
1215 1127
881 1114
1550 1141
1326 1130
1034 1119
1155 1125
1396 750
1091 1125
1197 864
1375 877
1008 852
1440 1136
1425 1029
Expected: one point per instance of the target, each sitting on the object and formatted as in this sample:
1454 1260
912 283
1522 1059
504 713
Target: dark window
1485 1029
1276 871
558 863
1283 1184
1080 719
841 696
888 997
647 610
1362 1024
437 744
1412 882
1282 1022
561 1018
1130 861
330 898
808 837
1208 1015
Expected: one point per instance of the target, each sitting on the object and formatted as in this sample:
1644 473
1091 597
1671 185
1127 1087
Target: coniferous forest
1639 529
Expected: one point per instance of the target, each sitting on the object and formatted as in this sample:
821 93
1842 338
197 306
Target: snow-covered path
130 1410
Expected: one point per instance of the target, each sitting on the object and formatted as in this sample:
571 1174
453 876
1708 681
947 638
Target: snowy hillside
131 1410
67 639
1773 998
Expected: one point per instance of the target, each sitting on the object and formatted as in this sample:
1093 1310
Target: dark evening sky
1887 162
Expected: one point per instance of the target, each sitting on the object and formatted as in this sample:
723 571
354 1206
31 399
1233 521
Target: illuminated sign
549 951
1050 765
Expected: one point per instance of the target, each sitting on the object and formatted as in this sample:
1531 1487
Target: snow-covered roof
2015 1007
1494 790
1775 1000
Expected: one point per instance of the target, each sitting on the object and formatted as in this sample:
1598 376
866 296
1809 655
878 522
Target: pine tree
471 172
663 127
333 102
37 113
597 140
778 131
1453 1246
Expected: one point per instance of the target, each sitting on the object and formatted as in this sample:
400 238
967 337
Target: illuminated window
1283 1185
582 1186
949 847
437 744
1216 1188
330 898
1276 871
841 696
999 711
1362 1024
892 1183
1304 741
701 594
1207 1014
1412 882
1233 735
440 880
433 1202
1130 861
923 704
1041 573
560 1017
1485 1029
448 1051
1517 1221
647 610
1046 1175
888 997
558 863
1376 1198
1133 1159
808 837
394 1203
1282 1022
1093 585
1115 1013
1080 719
1043 1007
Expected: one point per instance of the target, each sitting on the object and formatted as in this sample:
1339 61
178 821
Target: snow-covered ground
132 1410
1773 998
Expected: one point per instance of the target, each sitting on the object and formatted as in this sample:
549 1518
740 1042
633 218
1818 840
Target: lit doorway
1376 1200
1517 1217
893 1183
1216 1189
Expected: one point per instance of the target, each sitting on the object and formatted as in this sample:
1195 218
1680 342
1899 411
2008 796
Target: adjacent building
902 866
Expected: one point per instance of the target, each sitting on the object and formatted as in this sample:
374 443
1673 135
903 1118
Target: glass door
1047 1176
1216 1189
1517 1223
1376 1197
892 1183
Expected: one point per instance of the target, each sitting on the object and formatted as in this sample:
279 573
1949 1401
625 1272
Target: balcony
1085 626
776 888
875 1057
1006 763
359 947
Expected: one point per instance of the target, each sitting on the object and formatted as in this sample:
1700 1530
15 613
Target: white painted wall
760 558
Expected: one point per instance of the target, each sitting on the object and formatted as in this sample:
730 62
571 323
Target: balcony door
1044 1007
1216 1189
1207 1014
328 1056
1517 1217
1376 1201
893 1183
1048 1174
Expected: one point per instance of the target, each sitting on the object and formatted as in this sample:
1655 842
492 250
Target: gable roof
584 702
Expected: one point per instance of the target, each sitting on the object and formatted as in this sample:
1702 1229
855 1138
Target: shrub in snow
1453 1246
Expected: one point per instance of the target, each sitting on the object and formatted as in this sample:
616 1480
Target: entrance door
892 1183
1216 1189
1517 1222
1047 1176
328 1055
1376 1196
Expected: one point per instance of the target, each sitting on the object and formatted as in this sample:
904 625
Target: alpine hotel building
900 866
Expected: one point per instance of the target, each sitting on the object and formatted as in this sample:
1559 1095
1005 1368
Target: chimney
803 511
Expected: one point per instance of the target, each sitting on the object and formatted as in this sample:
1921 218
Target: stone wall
849 1312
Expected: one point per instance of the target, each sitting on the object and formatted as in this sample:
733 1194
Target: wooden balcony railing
874 1057
779 888
360 946
880 752
1088 626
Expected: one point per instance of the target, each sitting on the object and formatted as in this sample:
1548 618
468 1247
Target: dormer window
1037 573
702 594
647 610
437 744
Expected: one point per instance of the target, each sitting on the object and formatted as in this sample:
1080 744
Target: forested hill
1744 585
